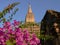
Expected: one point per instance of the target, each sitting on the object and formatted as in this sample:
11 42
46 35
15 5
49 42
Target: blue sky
39 8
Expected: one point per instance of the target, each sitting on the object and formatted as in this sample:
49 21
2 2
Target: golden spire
30 16
29 9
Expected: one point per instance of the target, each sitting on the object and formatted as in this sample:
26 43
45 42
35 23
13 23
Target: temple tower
30 16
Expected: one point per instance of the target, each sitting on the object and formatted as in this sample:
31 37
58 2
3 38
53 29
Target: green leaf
4 20
9 42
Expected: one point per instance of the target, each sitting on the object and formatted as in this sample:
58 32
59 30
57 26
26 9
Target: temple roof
53 13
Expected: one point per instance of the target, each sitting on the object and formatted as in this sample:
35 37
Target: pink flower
16 34
7 24
16 23
1 28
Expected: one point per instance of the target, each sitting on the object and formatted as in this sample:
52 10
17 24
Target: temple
30 23
30 16
50 25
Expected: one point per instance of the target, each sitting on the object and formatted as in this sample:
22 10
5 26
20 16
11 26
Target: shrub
11 34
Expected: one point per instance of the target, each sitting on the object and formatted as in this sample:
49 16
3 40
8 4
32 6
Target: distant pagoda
30 16
30 23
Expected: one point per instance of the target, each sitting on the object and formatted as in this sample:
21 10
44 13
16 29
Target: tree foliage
7 10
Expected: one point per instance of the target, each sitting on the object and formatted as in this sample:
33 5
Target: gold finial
29 8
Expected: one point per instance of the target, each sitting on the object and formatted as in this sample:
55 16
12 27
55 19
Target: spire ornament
29 8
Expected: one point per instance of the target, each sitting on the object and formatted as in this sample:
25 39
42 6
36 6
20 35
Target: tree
7 10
